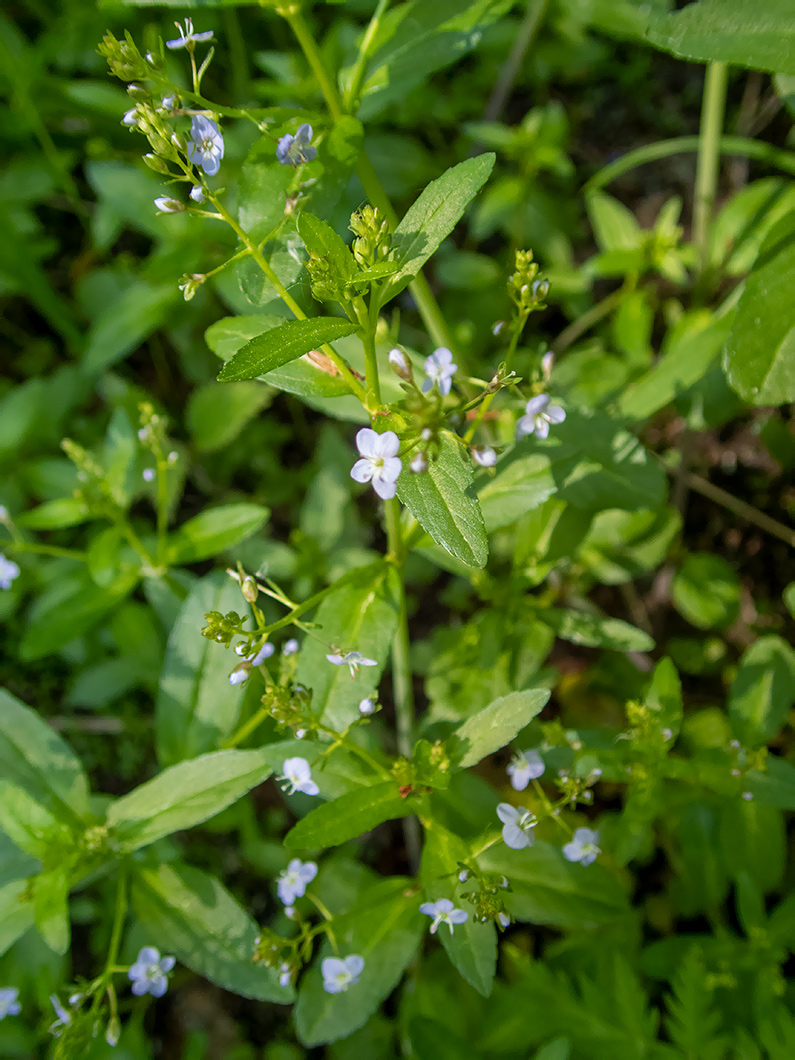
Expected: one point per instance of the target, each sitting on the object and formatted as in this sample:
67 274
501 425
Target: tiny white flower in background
290 647
8 572
518 824
130 119
148 974
298 777
197 193
504 920
366 706
498 327
484 455
292 882
379 462
300 733
526 766
583 846
338 974
167 205
3 513
148 474
285 974
547 364
419 465
237 677
352 659
748 796
289 912
538 416
187 36
463 876
443 912
440 370
9 1003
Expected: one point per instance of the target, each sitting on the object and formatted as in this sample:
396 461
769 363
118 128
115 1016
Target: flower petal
537 404
391 469
555 414
507 814
428 908
362 470
526 426
331 966
458 916
167 963
542 428
515 838
366 441
354 964
385 490
149 955
388 444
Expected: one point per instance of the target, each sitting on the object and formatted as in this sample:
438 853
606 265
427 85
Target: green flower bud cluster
373 239
487 900
269 948
94 489
123 57
222 628
289 705
524 289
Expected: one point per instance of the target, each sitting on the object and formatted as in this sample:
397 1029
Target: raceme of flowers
379 461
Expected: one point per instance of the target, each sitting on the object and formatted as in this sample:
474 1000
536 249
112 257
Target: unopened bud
400 365
137 92
249 589
166 205
113 1031
419 464
547 364
157 164
366 706
484 455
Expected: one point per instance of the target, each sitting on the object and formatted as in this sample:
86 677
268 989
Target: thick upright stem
712 111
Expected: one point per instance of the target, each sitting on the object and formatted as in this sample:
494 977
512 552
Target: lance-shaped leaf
192 916
16 912
214 531
184 796
349 816
51 908
443 501
431 219
496 725
580 627
283 344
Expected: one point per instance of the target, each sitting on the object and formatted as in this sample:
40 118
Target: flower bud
137 92
157 164
249 589
419 465
484 455
166 205
366 706
547 364
400 365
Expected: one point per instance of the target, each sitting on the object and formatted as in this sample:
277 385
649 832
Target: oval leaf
349 816
496 725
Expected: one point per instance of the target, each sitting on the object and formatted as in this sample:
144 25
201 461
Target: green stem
680 145
354 384
741 508
536 9
370 359
359 70
46 550
427 305
582 324
118 922
484 408
162 509
350 745
712 112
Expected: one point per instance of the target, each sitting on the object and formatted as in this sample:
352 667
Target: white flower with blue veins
352 659
8 572
517 825
205 144
443 912
526 766
379 463
539 414
187 38
293 150
292 882
148 974
297 776
339 974
9 1002
439 369
583 846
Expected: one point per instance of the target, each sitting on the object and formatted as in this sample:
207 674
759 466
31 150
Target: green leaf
690 348
283 344
581 627
349 816
51 908
522 483
732 31
664 696
614 225
472 947
35 758
759 358
431 219
217 413
51 627
547 889
359 616
496 725
694 1021
184 795
196 706
54 515
321 239
194 917
16 912
127 322
25 821
214 531
763 691
384 929
443 502
706 591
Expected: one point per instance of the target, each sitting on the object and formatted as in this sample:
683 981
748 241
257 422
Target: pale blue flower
484 455
338 974
298 777
504 920
290 647
197 193
242 671
583 846
285 974
518 824
293 150
148 974
130 119
9 1003
64 1017
440 370
379 461
205 144
292 882
538 417
188 38
352 659
526 766
8 572
366 706
443 912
